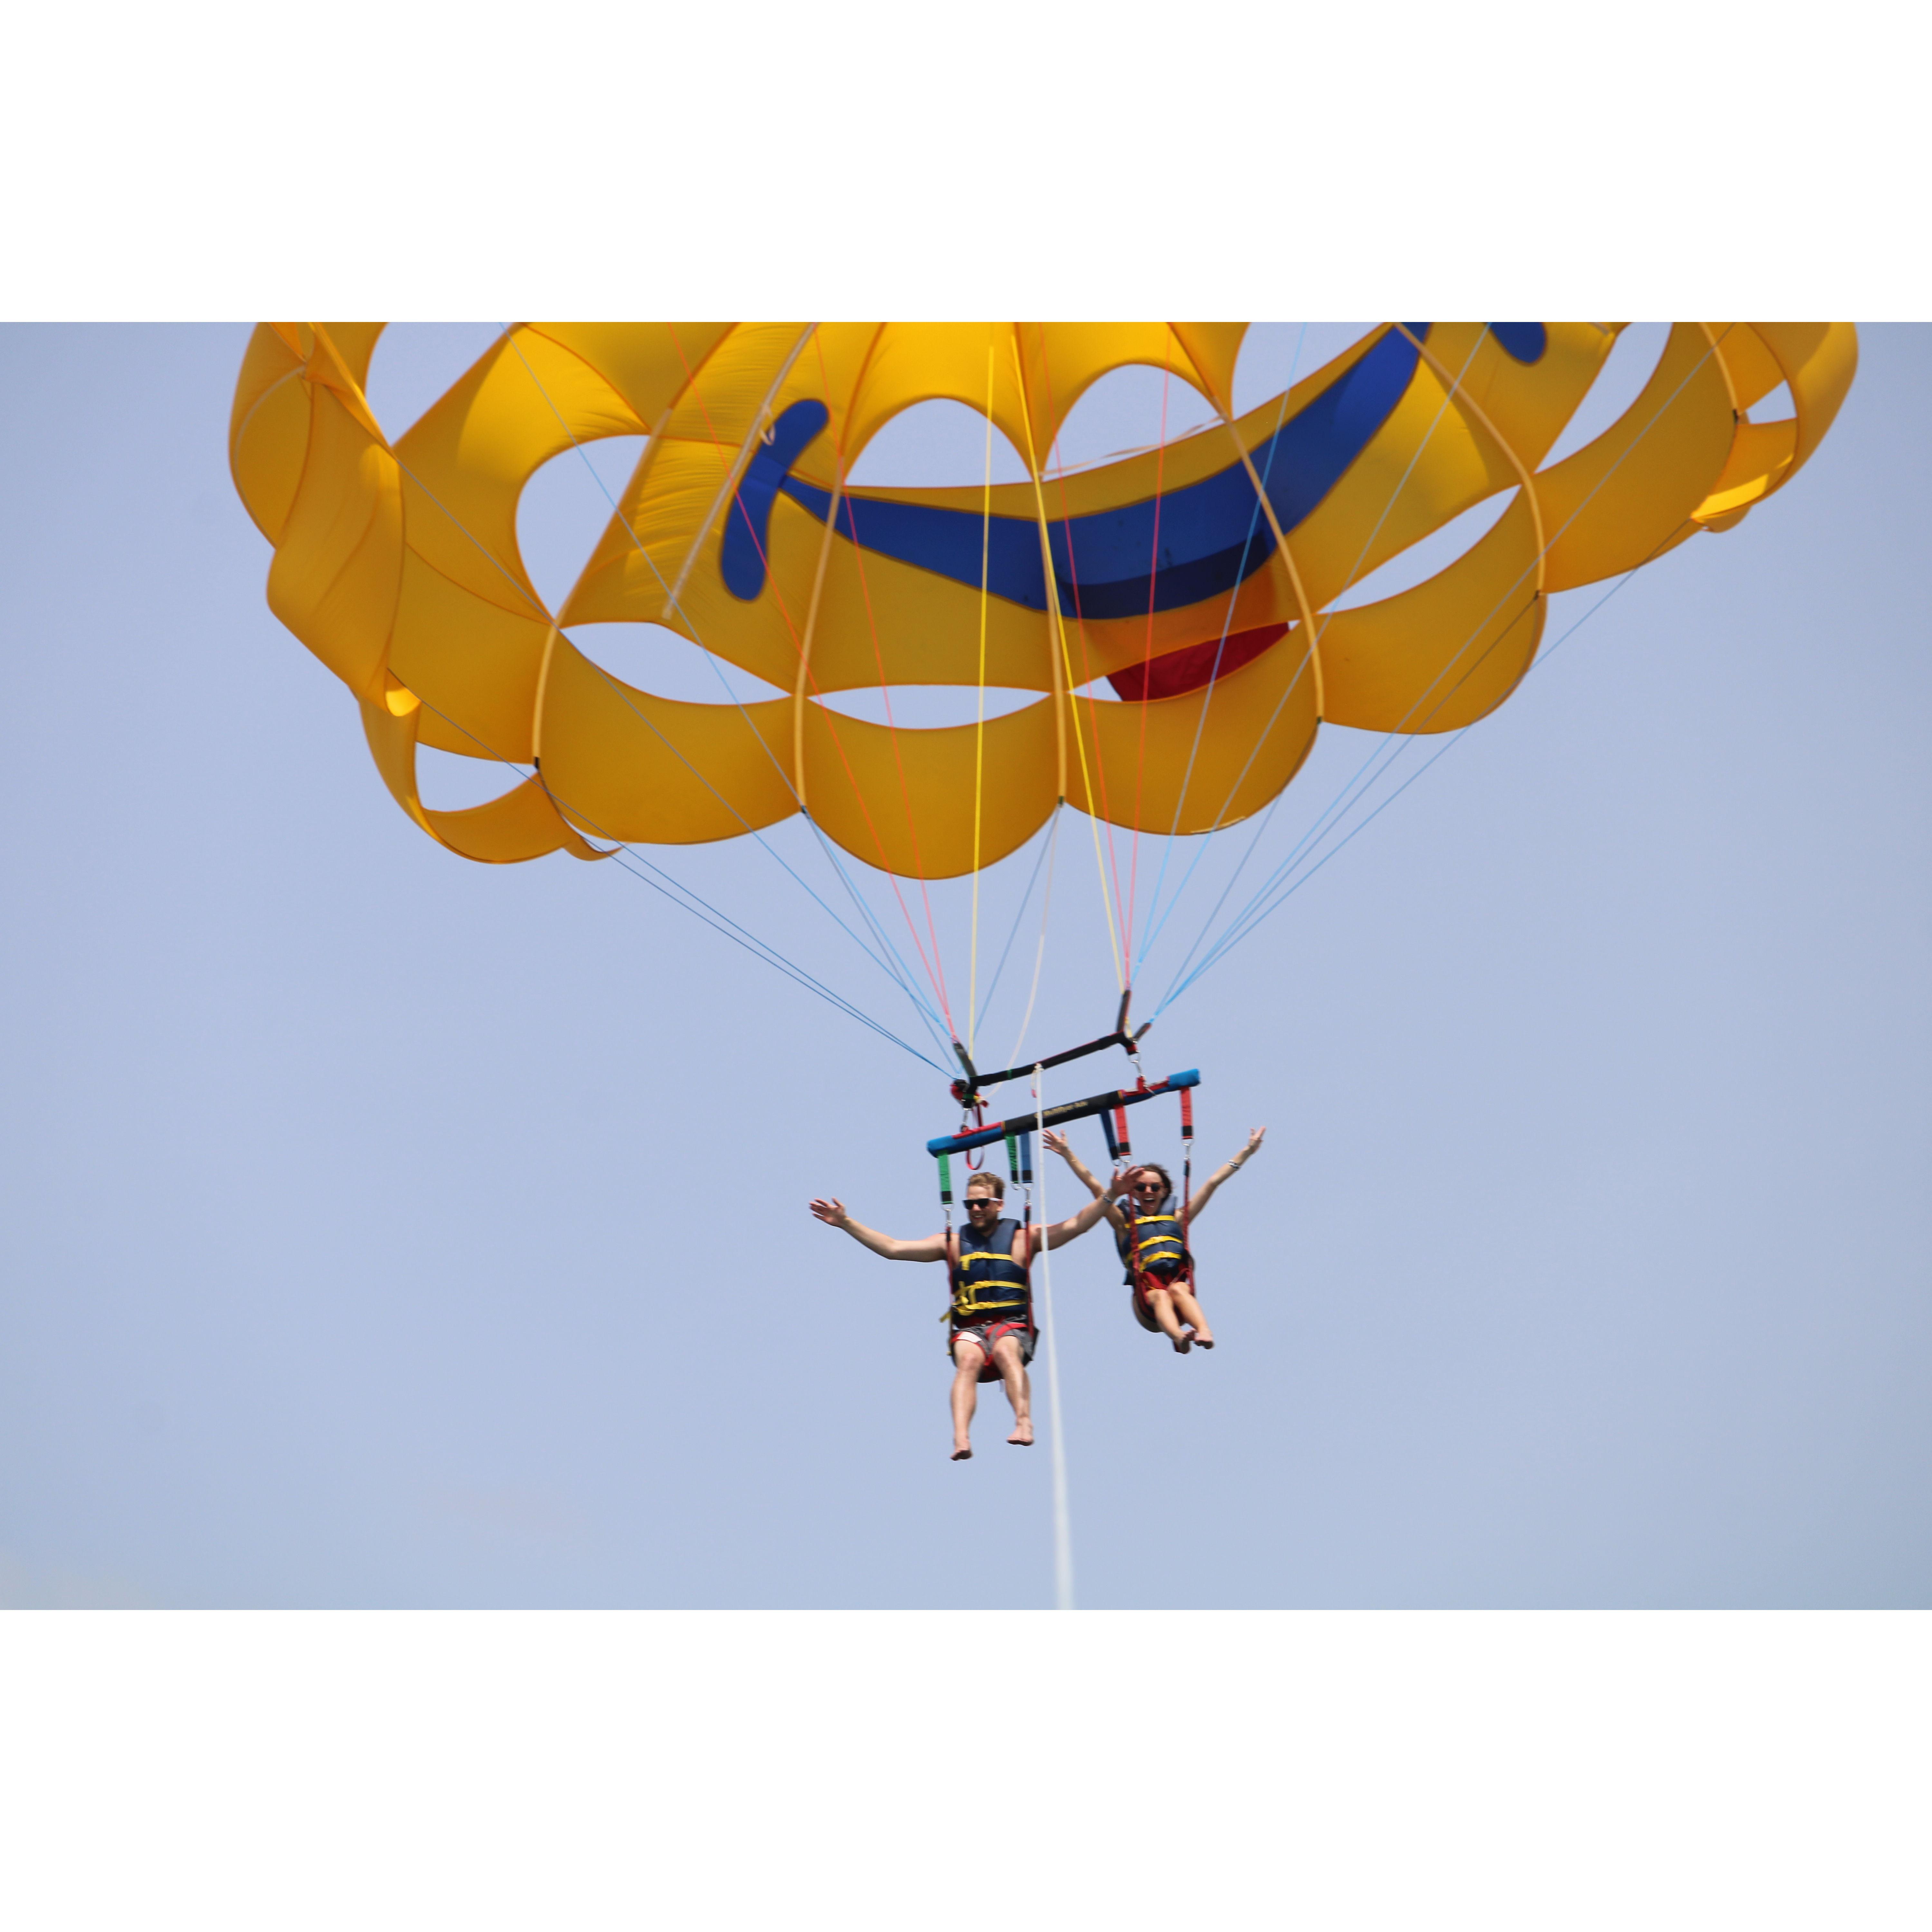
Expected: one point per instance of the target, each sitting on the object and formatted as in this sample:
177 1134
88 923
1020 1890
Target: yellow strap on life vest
968 1303
1143 1243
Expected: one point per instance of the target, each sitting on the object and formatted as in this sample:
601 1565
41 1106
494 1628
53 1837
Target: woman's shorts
988 1333
1162 1274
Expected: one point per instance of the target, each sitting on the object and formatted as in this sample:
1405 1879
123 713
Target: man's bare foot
1022 1435
964 1455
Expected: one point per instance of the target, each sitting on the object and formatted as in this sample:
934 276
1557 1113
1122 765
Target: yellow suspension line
980 740
1063 668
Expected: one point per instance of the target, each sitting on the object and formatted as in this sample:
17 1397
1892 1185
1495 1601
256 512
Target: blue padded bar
1072 1110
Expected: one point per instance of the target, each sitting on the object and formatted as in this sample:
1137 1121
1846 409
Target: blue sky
381 1229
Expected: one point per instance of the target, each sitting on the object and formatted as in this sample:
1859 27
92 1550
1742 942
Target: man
989 1266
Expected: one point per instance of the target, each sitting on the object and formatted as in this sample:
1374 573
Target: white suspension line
1063 1528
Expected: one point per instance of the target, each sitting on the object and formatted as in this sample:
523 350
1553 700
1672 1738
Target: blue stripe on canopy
1210 540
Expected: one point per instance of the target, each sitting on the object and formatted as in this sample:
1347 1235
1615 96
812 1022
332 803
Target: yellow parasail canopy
1198 577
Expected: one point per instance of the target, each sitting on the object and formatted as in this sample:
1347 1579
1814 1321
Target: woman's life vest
989 1284
1151 1245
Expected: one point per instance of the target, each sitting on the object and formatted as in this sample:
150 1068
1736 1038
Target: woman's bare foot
964 1455
1201 1339
1181 1345
1022 1435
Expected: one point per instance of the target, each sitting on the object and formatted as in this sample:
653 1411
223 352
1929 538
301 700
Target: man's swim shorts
986 1334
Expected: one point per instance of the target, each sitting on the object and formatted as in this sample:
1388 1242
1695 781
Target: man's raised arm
932 1248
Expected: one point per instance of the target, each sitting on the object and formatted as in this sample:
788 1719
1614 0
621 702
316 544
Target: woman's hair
991 1183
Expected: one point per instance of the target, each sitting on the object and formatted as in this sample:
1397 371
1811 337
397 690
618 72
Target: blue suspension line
900 972
1232 938
1153 927
744 936
724 923
699 775
1242 925
1268 730
1039 859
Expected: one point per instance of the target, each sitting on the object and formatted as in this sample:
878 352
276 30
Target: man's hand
832 1213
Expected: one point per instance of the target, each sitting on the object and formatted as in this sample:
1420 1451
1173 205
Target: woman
1152 1241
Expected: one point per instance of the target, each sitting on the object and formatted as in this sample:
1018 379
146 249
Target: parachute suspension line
897 970
1019 1165
1311 655
937 969
1337 808
564 804
1234 938
798 746
1147 660
1019 913
735 471
1063 673
755 832
946 1205
1243 924
760 948
682 895
933 978
1240 928
1310 661
979 737
1039 951
1309 658
1525 480
1105 811
1062 1528
699 907
1186 1162
1318 628
811 610
934 966
1227 624
1343 802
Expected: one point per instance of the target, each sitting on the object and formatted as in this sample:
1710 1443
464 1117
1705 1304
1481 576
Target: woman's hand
1056 1143
832 1213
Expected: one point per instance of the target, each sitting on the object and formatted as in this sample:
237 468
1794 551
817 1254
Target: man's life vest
988 1285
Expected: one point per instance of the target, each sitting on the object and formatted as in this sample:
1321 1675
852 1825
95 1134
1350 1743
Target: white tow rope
1062 1530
